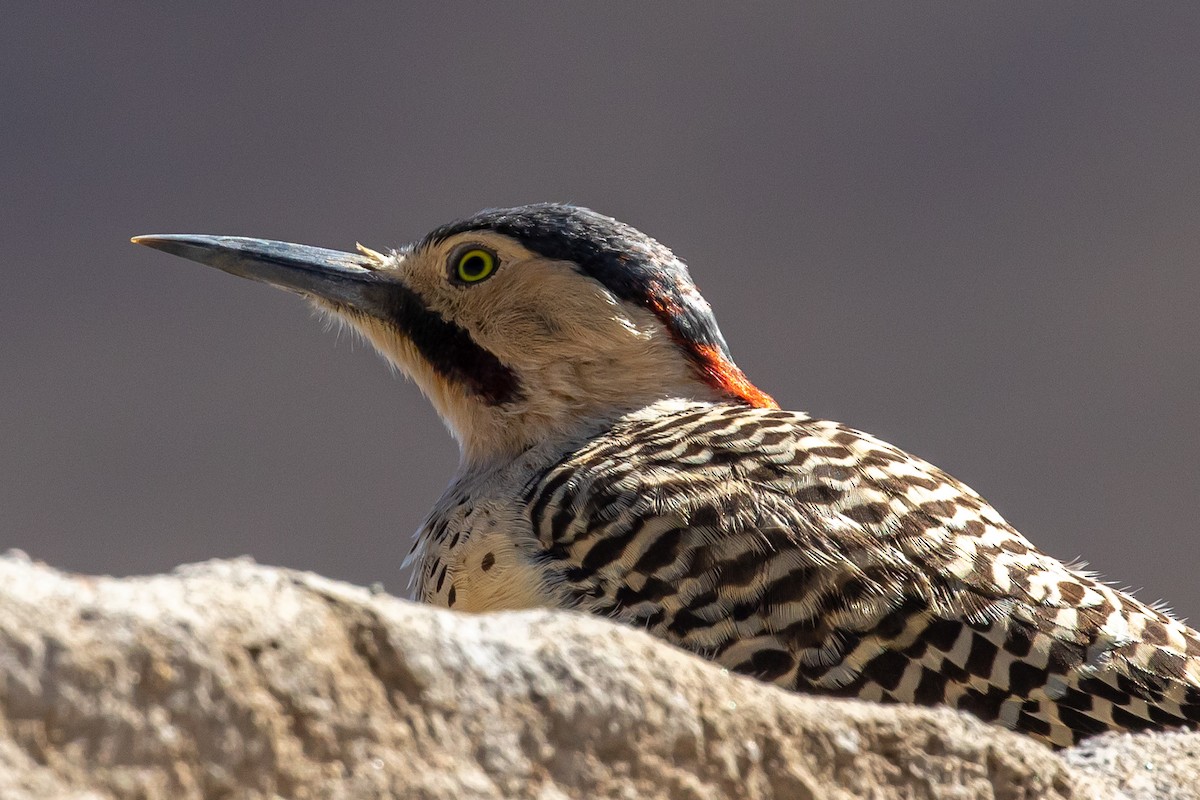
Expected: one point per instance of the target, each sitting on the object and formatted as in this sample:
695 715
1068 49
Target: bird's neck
489 435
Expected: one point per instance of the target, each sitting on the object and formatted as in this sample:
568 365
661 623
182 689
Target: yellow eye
472 266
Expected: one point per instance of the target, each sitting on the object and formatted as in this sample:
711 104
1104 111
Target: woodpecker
615 460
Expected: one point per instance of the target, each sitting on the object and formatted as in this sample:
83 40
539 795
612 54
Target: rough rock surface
229 679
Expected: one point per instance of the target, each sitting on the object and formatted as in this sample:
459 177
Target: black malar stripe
448 347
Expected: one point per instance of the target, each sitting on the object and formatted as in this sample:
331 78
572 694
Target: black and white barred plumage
815 556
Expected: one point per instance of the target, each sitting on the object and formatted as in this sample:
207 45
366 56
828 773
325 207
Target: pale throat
545 416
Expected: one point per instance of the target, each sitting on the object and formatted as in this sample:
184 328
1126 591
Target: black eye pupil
474 265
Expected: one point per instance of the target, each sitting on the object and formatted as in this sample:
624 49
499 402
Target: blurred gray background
969 229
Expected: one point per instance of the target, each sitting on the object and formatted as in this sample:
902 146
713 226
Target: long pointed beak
350 279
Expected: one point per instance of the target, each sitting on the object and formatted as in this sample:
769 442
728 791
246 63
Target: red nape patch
721 373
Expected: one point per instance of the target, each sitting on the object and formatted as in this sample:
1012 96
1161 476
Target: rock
229 679
1165 766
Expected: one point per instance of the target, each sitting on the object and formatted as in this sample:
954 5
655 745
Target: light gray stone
229 679
1165 766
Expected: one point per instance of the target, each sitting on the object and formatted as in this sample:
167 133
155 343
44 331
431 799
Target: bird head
521 325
